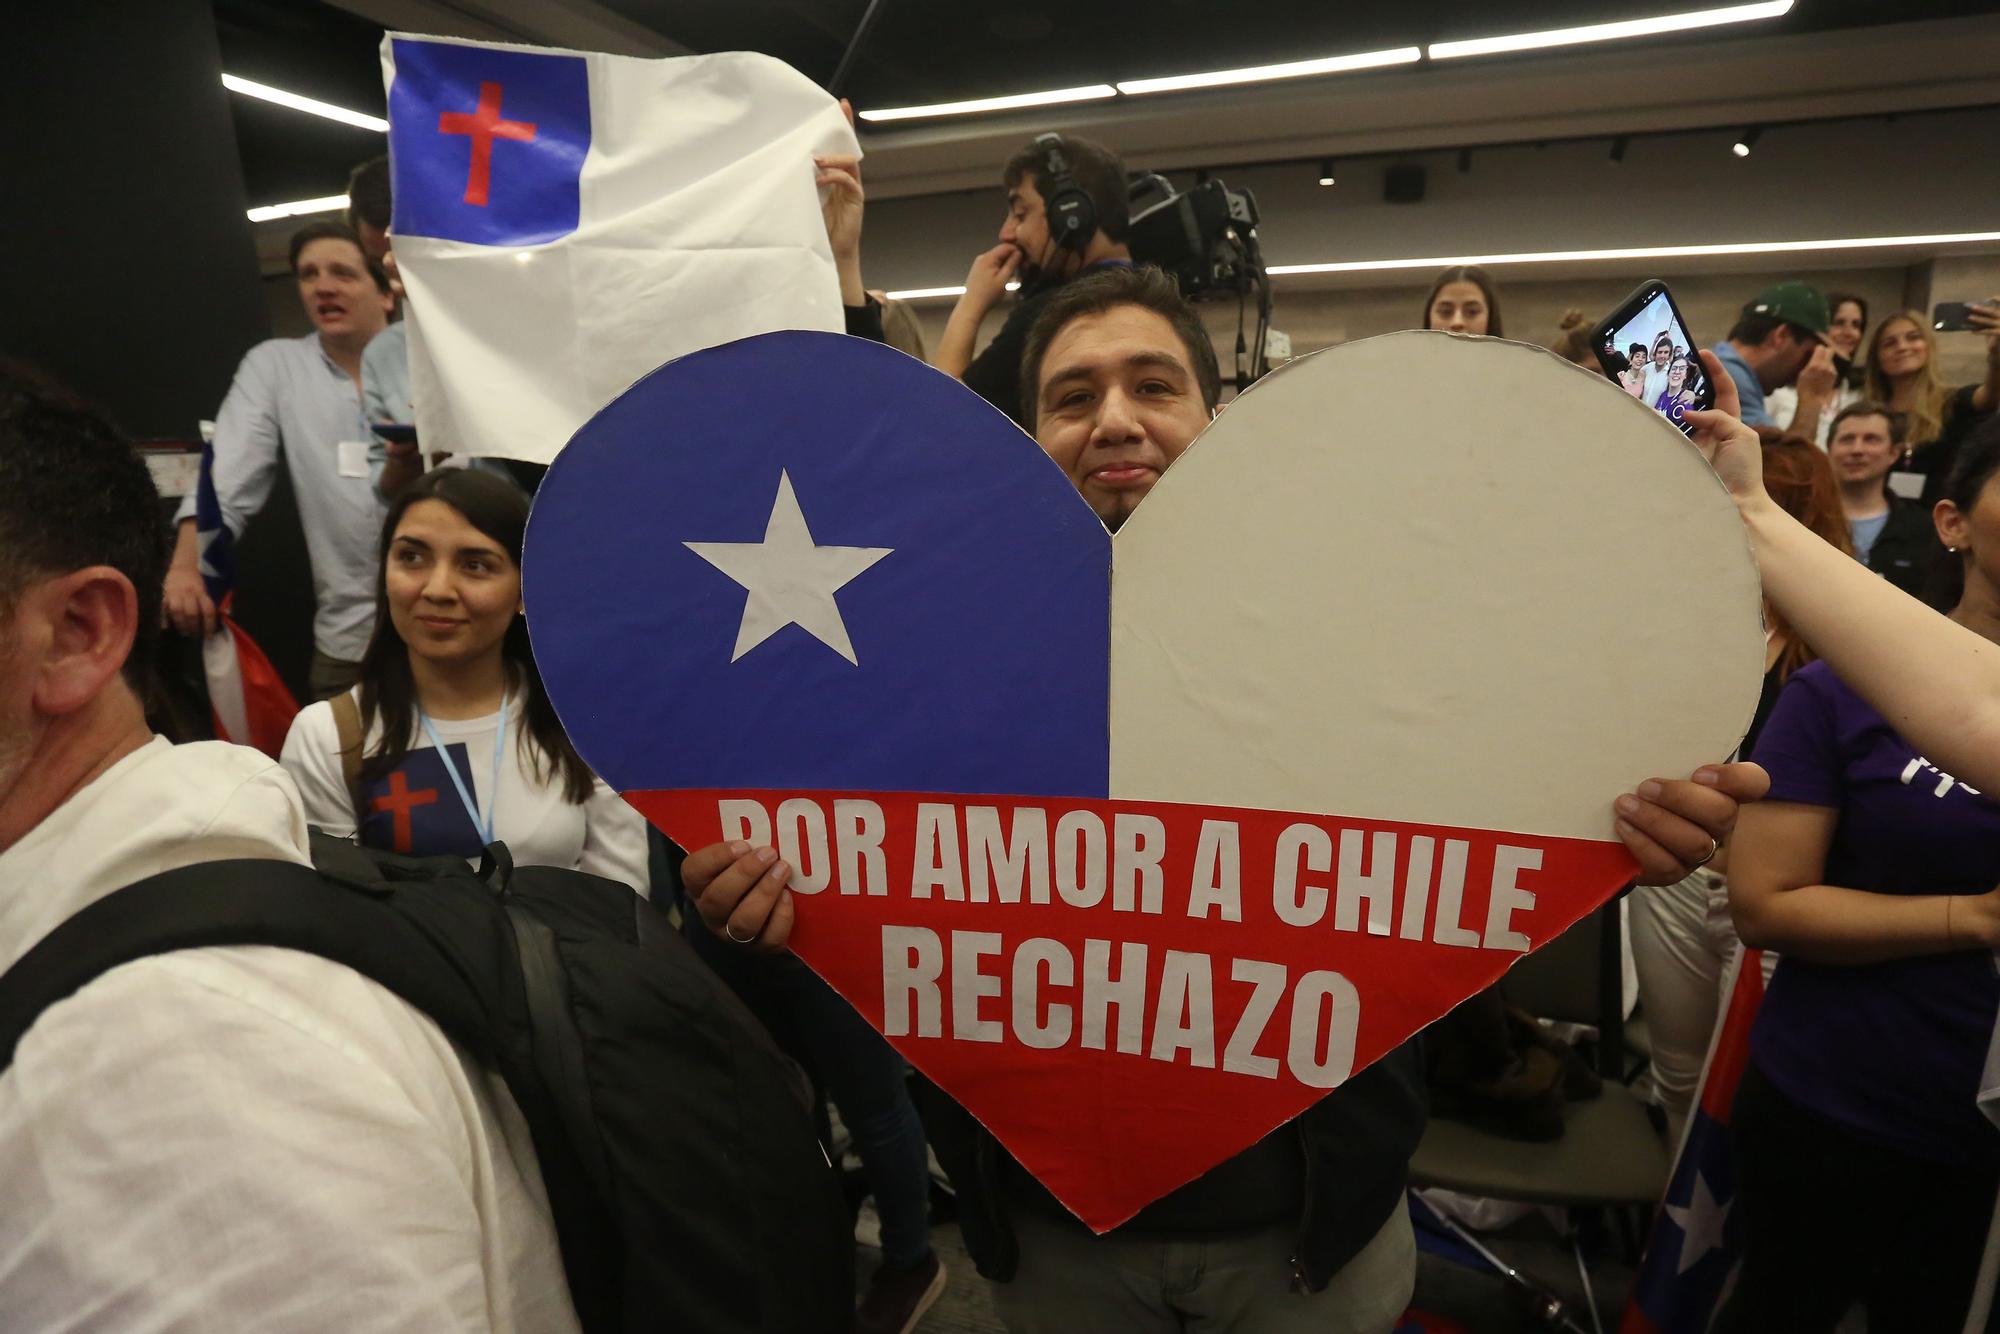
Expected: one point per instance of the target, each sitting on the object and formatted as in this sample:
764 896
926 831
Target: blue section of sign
981 641
415 809
487 144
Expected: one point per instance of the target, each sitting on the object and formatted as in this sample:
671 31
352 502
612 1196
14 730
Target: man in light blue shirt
301 397
1779 340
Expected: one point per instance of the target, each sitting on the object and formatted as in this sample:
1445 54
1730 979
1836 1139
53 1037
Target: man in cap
1781 340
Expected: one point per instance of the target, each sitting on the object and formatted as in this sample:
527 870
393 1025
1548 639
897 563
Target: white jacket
245 1137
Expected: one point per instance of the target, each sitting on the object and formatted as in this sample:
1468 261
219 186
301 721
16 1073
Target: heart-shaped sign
1137 868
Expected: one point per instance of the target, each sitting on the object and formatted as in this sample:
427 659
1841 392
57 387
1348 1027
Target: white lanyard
483 826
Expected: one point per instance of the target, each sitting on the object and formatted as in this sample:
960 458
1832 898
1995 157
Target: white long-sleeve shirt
245 1137
289 396
530 812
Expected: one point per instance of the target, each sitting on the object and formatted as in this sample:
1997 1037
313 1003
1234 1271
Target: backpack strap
347 727
246 902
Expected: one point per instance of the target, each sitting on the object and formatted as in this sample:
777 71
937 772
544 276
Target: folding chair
1609 1157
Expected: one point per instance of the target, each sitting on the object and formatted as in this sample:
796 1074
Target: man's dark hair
336 231
1868 407
1125 285
1751 330
1097 171
74 493
368 198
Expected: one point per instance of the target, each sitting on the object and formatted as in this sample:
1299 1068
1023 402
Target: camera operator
1066 215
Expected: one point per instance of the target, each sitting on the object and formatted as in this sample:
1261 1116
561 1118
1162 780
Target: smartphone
1952 317
396 433
1645 347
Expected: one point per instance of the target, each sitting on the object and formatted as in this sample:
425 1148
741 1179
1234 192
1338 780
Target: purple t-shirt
1891 1051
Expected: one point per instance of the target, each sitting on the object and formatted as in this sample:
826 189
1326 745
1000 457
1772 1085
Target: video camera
1206 238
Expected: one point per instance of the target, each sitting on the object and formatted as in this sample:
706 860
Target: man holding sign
1306 1228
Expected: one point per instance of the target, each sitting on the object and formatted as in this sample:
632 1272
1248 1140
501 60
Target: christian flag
1697 1242
248 703
565 223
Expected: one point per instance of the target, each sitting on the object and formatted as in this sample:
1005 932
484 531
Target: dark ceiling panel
923 51
919 51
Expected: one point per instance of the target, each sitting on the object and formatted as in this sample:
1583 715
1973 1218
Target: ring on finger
729 930
1714 846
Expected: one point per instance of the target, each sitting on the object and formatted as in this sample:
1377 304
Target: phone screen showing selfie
1656 361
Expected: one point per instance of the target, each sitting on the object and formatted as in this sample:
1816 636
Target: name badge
352 458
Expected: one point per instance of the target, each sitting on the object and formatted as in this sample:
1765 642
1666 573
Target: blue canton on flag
415 809
807 561
487 145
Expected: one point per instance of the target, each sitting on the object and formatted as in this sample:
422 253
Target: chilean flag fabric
565 222
248 702
996 584
1692 1256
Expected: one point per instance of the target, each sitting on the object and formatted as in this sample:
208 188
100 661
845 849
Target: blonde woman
1903 372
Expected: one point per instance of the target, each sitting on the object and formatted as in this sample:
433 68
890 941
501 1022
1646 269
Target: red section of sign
1000 943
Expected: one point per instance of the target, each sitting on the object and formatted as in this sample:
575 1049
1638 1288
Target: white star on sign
789 580
1700 1221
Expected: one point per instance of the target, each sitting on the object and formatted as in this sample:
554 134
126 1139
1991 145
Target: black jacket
1907 547
1354 1148
995 374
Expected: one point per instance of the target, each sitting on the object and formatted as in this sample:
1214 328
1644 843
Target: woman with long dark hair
449 742
1463 300
1867 1170
1849 321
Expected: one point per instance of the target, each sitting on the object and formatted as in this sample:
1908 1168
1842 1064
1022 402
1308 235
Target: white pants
1682 943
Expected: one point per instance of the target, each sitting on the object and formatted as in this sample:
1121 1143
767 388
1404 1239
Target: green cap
1794 303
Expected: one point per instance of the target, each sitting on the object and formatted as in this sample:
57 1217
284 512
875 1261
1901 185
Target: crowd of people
179 1134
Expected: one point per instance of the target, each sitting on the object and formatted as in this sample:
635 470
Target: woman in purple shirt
1867 1170
1678 396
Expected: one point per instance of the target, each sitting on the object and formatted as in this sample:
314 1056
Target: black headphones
1072 213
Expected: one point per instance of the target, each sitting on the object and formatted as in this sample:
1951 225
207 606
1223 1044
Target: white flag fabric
565 223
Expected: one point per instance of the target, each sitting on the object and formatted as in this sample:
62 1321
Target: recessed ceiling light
1650 26
1095 92
299 208
1326 171
280 97
1298 69
1746 141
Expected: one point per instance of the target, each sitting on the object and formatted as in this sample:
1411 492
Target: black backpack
676 1142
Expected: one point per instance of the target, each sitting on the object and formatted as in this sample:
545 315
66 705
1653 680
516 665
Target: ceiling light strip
1651 26
1095 92
1641 252
280 97
1298 69
1572 256
298 208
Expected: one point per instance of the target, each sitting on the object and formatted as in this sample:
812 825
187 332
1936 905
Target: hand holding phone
1967 316
399 437
1644 345
1952 317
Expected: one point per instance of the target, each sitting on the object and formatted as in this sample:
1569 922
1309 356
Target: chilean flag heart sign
1138 847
